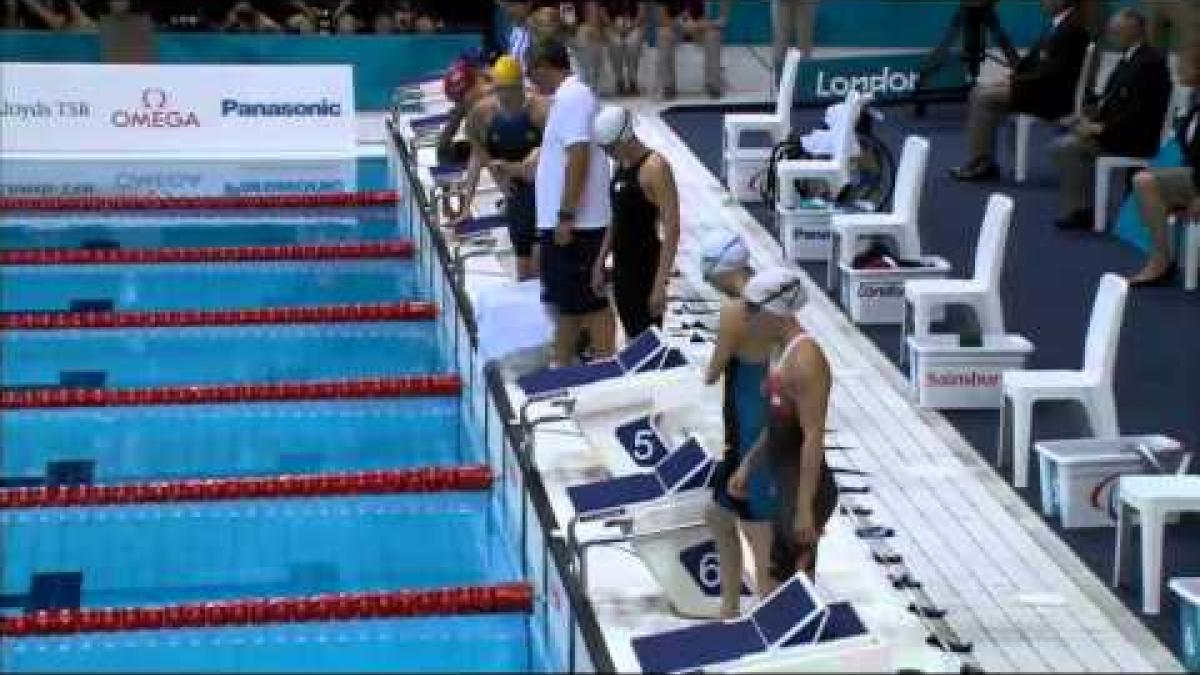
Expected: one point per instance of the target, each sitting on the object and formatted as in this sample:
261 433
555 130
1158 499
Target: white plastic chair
1107 164
901 222
835 170
1092 386
981 292
1025 122
1191 254
1154 498
776 124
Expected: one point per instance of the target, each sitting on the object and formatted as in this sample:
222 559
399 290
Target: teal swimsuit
745 418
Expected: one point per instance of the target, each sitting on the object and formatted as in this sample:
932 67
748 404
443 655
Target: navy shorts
520 212
567 272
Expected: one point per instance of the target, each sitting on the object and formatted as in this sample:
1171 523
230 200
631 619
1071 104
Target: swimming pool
175 551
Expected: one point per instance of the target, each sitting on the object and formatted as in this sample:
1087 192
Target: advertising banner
885 77
193 110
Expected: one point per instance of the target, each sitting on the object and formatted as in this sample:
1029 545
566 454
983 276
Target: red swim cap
458 80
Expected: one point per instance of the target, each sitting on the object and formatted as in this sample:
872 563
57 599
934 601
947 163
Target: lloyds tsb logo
878 83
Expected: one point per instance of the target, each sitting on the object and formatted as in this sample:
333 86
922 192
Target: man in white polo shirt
573 208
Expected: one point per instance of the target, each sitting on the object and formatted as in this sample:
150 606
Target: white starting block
876 296
806 231
946 375
1079 477
677 547
1188 591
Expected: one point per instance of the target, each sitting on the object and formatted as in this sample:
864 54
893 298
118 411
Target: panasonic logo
886 81
323 108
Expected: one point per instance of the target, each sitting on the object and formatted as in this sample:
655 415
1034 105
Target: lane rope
374 388
399 248
319 314
505 598
467 478
157 202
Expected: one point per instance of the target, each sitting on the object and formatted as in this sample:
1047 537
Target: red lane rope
400 248
403 311
467 478
393 387
153 202
494 599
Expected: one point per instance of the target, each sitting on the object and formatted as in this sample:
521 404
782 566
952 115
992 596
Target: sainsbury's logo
155 112
972 379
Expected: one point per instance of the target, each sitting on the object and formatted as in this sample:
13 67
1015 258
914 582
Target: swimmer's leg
723 524
760 535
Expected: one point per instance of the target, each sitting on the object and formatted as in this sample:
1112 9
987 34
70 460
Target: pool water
155 554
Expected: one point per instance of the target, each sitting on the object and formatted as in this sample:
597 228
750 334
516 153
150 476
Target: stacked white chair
776 125
982 291
1092 386
900 223
835 171
1024 123
1107 164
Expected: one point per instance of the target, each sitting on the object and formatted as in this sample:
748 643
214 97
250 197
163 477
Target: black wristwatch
566 216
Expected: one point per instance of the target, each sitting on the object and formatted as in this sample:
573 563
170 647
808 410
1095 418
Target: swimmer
504 128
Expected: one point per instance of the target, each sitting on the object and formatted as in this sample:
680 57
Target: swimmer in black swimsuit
643 195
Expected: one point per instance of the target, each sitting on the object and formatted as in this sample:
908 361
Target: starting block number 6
709 571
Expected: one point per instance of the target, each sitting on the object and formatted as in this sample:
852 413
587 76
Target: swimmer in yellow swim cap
505 129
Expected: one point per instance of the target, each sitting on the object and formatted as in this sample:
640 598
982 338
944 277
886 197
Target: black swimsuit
512 138
636 249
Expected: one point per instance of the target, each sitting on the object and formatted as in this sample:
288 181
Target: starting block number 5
641 442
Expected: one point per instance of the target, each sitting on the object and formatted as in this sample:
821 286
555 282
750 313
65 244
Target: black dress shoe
975 171
1079 221
1167 278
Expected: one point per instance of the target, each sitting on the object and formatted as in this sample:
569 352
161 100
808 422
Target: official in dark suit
1126 119
1042 83
1161 191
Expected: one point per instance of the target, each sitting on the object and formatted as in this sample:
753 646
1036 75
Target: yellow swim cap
506 72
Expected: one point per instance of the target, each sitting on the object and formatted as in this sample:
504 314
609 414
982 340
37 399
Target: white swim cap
778 290
613 124
723 252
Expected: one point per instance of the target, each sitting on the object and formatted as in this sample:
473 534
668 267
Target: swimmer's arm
479 157
727 330
812 406
454 122
665 195
527 168
578 158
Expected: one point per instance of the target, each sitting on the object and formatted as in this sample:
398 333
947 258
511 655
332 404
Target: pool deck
1010 585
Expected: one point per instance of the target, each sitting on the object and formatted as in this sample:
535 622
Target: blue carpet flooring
1049 283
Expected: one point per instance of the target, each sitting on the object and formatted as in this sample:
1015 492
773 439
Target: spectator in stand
1179 15
792 18
1161 191
688 19
244 17
1042 84
1126 119
589 39
625 21
520 35
58 15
